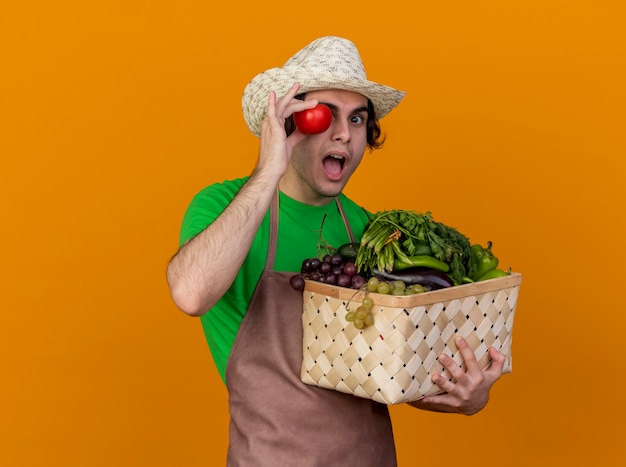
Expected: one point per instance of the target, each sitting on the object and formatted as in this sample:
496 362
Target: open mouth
333 165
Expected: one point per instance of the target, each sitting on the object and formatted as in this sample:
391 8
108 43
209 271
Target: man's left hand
468 392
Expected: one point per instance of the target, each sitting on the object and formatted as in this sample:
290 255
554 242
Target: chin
332 190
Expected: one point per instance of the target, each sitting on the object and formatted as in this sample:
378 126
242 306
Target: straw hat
326 63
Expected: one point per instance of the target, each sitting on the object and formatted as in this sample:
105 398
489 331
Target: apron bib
275 419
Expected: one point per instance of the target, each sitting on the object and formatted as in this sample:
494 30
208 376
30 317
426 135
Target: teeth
338 158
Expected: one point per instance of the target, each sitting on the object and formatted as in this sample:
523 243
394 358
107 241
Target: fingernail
459 340
444 358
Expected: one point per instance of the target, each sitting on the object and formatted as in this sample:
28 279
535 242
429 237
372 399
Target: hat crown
330 54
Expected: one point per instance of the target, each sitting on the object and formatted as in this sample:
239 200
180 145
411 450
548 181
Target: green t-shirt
298 239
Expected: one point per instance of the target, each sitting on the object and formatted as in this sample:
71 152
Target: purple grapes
297 282
331 269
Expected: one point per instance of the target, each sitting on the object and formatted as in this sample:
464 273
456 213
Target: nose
340 130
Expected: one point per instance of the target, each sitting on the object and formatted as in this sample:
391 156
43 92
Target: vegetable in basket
420 261
482 260
493 274
432 279
398 239
484 264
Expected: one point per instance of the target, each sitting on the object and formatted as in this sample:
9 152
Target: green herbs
396 237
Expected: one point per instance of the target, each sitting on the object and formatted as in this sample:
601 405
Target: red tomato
315 120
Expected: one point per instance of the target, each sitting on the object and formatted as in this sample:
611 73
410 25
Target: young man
243 239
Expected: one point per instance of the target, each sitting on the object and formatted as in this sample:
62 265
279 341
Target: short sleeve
206 206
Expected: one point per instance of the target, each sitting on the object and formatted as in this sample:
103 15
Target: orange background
113 114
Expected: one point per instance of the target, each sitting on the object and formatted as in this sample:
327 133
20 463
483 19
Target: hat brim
255 96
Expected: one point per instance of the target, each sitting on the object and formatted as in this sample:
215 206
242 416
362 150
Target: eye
357 119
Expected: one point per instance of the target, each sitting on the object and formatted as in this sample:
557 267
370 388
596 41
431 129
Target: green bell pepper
493 274
482 260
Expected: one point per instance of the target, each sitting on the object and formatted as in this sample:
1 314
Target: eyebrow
334 108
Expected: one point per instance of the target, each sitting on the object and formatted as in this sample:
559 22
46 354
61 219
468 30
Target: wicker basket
392 360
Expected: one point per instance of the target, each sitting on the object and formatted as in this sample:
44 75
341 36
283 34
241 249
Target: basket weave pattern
393 360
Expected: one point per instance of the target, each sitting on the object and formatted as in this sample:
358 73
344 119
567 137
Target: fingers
275 107
468 355
497 362
449 364
444 383
472 372
293 91
288 104
271 105
281 104
466 391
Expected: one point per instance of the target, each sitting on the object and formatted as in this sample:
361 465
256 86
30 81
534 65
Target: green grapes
362 316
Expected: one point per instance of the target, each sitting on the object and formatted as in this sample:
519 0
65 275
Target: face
322 164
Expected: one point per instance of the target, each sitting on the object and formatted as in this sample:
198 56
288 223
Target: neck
303 194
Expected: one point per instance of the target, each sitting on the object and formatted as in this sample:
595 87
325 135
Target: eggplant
349 250
432 279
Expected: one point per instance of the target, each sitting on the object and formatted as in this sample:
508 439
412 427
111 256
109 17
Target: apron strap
345 220
274 212
271 252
